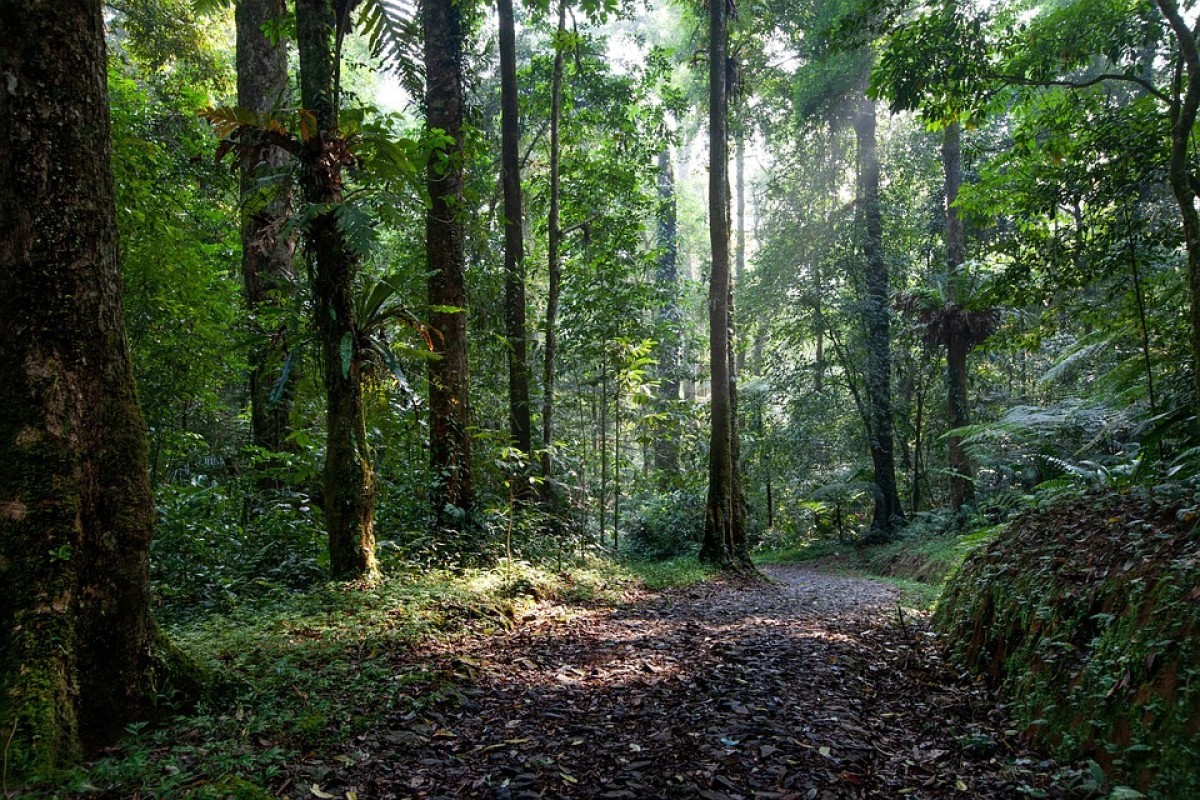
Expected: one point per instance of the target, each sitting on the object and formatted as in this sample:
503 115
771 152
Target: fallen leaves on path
812 687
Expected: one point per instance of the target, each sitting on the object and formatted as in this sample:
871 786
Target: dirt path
808 688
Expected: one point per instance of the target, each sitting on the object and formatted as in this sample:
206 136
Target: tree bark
349 479
520 425
80 655
453 494
666 448
268 272
1183 110
740 200
553 266
958 343
724 534
888 513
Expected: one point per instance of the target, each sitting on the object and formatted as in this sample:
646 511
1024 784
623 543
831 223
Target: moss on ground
1087 616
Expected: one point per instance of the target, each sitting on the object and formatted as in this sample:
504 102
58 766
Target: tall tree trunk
449 408
889 514
724 537
520 425
349 485
267 254
739 274
554 267
603 442
958 342
80 655
617 461
1184 106
666 448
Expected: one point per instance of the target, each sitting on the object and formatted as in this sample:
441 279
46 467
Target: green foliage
667 525
301 670
393 31
1085 613
218 543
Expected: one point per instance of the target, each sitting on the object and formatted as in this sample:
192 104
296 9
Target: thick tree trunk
349 485
520 425
666 448
958 343
888 514
554 267
1183 111
724 534
267 255
449 408
79 652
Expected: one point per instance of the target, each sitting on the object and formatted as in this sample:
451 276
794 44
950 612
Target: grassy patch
673 572
305 671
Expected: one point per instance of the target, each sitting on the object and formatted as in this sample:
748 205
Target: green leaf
347 348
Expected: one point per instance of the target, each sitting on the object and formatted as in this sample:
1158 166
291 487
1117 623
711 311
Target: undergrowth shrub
667 524
215 542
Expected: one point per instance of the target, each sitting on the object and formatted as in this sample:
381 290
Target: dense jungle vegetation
333 331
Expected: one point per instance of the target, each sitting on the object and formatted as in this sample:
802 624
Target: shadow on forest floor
810 687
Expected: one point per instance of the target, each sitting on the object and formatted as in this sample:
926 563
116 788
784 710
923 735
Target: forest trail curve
808 687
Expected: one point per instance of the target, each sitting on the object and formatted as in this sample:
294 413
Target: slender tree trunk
958 343
603 442
666 448
349 485
449 408
554 267
617 461
889 513
724 539
268 260
520 425
80 655
740 199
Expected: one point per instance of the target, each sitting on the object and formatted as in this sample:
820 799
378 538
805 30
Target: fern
393 32
357 226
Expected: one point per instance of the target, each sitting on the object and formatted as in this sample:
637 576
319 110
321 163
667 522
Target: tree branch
578 225
1108 76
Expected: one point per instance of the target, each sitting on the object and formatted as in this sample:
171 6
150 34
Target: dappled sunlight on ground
801 688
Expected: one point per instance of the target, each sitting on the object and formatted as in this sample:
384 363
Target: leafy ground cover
807 687
1088 615
581 684
297 673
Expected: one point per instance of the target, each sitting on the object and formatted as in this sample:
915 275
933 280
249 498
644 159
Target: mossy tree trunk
958 343
267 254
1184 105
553 266
449 408
349 480
889 513
520 424
80 654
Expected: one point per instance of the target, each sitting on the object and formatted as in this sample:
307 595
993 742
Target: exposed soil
812 686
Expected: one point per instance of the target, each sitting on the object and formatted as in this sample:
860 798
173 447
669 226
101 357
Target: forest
786 399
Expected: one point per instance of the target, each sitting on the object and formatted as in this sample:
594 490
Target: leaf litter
809 686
